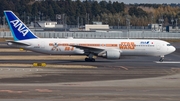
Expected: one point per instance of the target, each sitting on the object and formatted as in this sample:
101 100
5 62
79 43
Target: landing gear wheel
89 59
93 60
161 59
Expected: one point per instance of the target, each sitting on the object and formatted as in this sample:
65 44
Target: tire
87 59
93 60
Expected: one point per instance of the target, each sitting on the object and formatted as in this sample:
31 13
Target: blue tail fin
19 30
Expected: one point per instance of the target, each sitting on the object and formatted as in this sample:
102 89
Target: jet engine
112 54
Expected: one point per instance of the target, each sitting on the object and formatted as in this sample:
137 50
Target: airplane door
158 49
42 45
158 46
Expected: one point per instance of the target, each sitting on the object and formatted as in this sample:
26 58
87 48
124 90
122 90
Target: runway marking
5 69
19 70
123 67
11 91
43 90
168 62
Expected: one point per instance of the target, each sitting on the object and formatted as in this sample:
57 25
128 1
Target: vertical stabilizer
19 30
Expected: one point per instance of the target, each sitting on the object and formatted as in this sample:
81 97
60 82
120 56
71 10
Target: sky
146 1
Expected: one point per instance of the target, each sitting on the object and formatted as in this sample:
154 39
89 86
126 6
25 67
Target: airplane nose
173 49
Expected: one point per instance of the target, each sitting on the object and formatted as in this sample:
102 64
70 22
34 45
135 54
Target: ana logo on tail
22 29
19 30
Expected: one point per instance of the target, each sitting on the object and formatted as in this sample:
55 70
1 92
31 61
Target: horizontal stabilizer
17 43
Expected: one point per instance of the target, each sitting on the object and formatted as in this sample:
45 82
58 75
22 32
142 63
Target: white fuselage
133 47
107 48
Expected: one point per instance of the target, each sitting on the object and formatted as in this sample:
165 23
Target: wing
87 49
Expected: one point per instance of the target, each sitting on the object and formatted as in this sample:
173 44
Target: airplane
106 48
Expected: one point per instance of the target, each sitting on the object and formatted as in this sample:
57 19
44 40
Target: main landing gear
90 58
161 59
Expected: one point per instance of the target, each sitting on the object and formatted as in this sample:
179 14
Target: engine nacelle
112 54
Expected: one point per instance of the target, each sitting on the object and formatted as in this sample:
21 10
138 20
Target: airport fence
102 35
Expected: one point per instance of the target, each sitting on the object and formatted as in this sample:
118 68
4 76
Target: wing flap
88 49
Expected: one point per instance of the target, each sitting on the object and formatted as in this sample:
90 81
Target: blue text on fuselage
144 42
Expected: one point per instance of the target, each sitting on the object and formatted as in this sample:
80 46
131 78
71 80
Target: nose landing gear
161 59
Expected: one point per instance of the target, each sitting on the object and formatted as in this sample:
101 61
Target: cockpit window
169 45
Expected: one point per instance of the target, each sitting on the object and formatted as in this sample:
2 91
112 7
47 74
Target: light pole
176 24
87 18
172 20
152 17
4 22
24 15
161 20
106 21
128 25
78 22
118 22
0 20
28 20
176 21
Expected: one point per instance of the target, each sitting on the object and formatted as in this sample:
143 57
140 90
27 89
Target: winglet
19 30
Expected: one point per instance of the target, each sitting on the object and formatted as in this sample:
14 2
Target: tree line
83 12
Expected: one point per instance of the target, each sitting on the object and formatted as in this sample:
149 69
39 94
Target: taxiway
130 78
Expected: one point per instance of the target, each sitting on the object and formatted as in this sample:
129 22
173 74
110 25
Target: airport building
51 29
54 26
